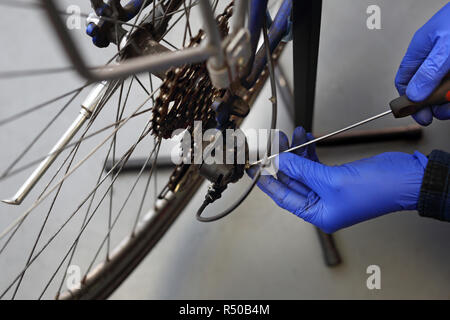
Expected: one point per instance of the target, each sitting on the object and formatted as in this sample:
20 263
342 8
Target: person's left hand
425 64
335 197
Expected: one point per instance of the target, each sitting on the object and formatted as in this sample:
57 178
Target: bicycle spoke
151 86
155 186
170 44
141 84
187 27
10 237
144 195
113 145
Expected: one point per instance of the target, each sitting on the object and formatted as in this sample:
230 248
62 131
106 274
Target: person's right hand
335 197
425 64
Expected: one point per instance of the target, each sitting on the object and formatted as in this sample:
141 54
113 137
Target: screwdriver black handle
403 107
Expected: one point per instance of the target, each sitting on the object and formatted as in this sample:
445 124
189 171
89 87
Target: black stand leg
306 31
307 15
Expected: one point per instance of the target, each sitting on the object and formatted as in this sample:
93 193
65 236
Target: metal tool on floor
400 108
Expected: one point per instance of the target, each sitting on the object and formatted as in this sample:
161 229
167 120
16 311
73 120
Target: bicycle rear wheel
101 279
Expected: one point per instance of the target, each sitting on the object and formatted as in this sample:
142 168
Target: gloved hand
425 64
335 197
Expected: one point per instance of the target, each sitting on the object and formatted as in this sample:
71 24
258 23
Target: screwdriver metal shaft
327 135
400 108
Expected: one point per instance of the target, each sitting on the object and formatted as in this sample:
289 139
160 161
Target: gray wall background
261 251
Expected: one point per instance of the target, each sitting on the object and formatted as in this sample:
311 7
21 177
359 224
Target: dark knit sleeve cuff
434 199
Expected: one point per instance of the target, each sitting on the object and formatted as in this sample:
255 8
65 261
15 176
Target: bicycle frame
211 50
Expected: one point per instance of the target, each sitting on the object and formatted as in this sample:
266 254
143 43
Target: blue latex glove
425 64
335 197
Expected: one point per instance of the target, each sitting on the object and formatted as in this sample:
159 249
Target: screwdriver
400 107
